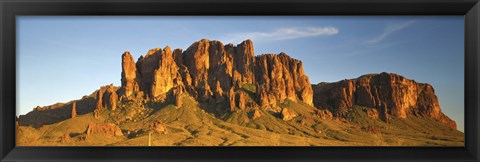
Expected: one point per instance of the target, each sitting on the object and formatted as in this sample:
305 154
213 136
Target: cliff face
212 72
106 97
129 75
389 94
281 77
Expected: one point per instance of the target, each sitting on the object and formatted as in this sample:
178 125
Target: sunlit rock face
390 94
281 77
211 71
106 97
129 75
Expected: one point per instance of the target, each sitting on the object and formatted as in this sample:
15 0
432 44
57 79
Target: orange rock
74 109
106 129
241 100
288 114
324 114
256 114
146 68
281 77
166 76
99 100
110 97
96 114
129 75
390 94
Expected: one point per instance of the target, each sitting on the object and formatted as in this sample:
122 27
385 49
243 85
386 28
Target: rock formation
256 114
158 127
244 63
231 78
390 94
65 138
211 71
288 114
99 100
281 77
166 76
241 100
129 75
110 98
96 114
213 89
324 114
74 109
105 129
106 97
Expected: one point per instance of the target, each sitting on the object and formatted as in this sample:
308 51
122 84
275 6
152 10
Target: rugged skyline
201 95
427 49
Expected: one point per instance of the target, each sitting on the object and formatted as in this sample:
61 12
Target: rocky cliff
212 72
390 94
281 77
232 78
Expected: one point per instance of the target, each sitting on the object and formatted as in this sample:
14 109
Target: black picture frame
9 9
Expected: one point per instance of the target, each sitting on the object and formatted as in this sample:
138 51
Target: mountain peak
211 71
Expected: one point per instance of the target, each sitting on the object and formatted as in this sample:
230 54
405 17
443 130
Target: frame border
9 9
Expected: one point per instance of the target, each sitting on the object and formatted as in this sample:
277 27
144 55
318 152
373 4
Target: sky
62 58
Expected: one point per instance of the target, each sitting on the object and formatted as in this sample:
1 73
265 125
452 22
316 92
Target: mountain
216 94
387 95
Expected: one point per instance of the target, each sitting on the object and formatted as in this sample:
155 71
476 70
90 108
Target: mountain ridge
236 86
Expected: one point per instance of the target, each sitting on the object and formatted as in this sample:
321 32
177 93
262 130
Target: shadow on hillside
56 113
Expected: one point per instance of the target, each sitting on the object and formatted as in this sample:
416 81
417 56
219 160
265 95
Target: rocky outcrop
110 98
146 66
96 114
241 100
105 129
196 59
177 95
372 113
281 77
233 78
129 75
211 71
106 97
231 99
158 127
256 114
178 56
244 60
99 100
288 114
390 94
324 114
64 138
74 109
166 76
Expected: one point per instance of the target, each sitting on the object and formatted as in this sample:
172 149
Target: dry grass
190 125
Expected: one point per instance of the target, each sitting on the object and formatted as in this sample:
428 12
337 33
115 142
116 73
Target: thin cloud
389 30
282 34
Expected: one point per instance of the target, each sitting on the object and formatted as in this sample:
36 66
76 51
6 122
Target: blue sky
62 58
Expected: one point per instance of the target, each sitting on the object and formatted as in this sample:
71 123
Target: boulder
104 128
